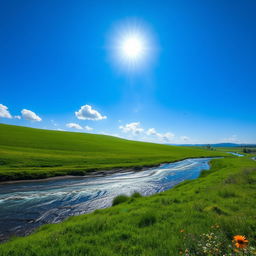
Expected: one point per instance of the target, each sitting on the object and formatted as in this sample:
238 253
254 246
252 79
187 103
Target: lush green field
232 149
239 150
27 153
198 214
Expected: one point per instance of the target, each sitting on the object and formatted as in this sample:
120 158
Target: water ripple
27 205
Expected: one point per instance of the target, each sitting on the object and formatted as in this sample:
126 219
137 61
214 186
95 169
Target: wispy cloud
75 126
167 137
231 139
152 131
135 128
79 127
163 137
88 128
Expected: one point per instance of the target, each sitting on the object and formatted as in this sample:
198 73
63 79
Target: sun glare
132 47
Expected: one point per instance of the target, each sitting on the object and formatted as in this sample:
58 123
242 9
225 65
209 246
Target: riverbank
99 173
41 202
27 153
221 201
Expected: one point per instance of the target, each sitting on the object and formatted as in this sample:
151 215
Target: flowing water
235 154
27 205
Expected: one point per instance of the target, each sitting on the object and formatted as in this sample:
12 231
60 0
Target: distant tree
247 150
208 146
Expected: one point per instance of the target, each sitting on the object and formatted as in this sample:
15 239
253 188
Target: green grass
238 150
231 149
150 226
27 153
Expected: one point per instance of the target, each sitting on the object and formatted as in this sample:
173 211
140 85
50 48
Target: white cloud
30 115
4 112
168 136
164 137
87 113
79 127
151 131
88 128
74 125
134 128
17 117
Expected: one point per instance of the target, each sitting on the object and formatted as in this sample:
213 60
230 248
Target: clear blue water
27 205
235 154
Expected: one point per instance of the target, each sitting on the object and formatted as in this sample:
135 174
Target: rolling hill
27 153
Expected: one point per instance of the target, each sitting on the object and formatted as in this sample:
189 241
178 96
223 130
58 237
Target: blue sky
195 84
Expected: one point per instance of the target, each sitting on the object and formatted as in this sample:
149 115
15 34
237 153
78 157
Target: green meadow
27 153
197 217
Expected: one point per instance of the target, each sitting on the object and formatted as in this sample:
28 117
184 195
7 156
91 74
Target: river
29 204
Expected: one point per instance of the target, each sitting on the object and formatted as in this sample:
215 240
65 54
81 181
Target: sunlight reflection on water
26 205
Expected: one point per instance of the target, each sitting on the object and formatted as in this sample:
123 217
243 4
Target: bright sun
132 47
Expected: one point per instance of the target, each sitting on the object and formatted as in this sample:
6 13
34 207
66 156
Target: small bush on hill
120 199
136 195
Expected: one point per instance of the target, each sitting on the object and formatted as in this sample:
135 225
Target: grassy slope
27 153
150 226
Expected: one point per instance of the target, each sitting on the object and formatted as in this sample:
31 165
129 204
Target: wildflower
182 230
240 241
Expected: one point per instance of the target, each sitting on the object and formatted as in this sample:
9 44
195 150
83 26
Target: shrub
136 194
120 199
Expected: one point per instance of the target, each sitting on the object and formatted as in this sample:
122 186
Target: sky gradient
59 66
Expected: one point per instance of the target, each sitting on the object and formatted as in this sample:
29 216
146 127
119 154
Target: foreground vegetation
197 217
27 153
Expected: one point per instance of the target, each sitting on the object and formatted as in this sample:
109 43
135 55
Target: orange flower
240 241
182 230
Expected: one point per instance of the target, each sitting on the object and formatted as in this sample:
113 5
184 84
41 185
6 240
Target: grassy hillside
197 217
27 153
